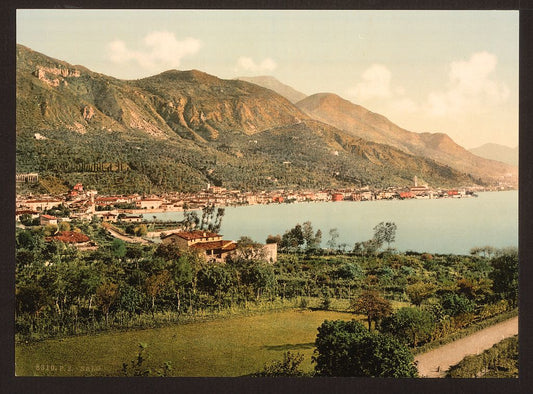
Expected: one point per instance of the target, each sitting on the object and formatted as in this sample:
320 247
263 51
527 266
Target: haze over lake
436 226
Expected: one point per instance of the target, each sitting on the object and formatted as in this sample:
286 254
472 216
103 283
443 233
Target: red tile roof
225 246
70 237
40 201
49 217
106 199
25 211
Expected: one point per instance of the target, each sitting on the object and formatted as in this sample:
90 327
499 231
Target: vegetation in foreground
61 291
500 361
219 347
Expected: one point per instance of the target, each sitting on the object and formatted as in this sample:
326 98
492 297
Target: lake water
435 226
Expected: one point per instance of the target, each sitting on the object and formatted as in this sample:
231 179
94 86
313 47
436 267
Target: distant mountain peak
498 152
323 99
270 82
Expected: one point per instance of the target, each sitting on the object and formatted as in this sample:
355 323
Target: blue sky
428 71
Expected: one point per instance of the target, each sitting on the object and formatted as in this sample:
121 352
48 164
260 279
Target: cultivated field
227 347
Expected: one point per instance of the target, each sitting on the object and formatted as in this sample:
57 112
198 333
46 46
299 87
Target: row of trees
61 290
303 238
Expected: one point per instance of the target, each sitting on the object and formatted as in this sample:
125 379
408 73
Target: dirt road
435 363
127 239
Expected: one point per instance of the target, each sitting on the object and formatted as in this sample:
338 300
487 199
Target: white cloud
161 50
471 87
376 83
249 65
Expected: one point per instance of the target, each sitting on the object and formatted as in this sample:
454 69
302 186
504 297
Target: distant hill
179 130
360 122
273 84
497 152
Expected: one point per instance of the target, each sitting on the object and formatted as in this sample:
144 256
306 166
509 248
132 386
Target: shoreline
199 208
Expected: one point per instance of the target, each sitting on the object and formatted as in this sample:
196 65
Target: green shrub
501 360
289 366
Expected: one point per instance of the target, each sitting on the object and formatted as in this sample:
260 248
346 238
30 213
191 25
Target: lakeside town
83 204
125 217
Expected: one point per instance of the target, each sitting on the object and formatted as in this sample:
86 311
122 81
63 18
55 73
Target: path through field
435 363
125 238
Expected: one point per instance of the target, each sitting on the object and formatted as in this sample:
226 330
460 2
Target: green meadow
226 347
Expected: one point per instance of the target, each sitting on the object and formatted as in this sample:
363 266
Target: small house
149 203
46 220
76 239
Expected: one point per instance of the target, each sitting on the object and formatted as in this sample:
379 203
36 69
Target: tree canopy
505 275
409 325
348 349
373 305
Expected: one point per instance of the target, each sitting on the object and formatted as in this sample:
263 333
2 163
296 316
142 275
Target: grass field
227 347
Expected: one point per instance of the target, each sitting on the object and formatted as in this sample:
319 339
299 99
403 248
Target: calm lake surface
435 226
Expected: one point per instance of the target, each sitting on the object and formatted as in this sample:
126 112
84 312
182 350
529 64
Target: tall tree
292 239
31 299
106 295
182 274
333 236
211 219
373 305
505 275
385 232
312 240
118 247
155 284
332 354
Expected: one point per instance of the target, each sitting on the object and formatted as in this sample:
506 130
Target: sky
454 72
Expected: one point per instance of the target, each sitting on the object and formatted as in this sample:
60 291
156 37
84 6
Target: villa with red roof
209 244
45 220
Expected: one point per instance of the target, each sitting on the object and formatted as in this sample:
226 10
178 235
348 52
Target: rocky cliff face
201 106
191 104
53 76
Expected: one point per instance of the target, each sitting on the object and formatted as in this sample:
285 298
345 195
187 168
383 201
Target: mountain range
179 130
360 122
497 152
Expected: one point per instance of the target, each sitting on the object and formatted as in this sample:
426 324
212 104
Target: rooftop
70 237
222 245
